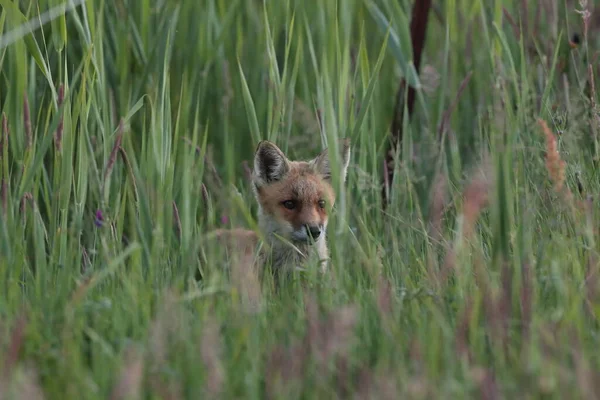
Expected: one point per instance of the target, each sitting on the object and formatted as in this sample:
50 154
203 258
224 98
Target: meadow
127 135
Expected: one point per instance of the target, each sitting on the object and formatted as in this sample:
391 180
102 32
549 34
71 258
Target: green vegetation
127 126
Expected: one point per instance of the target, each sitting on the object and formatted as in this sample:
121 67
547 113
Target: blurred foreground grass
127 130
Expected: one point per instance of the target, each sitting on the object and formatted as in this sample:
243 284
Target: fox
294 200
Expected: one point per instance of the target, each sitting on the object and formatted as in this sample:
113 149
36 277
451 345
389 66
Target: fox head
295 197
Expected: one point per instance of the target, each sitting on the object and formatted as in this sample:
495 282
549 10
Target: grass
127 130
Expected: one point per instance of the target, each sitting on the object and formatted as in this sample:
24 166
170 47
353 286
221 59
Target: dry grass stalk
59 130
4 195
27 197
525 19
245 278
23 206
438 204
4 146
27 122
285 368
504 304
210 351
164 325
172 390
381 386
14 348
125 159
462 331
512 23
595 125
486 381
4 135
526 301
592 281
327 341
129 385
113 153
204 192
384 299
86 263
160 330
587 378
9 369
329 337
177 220
585 16
24 386
476 198
448 266
496 306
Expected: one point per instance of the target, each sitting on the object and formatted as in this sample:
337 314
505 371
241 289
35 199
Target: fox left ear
270 164
323 165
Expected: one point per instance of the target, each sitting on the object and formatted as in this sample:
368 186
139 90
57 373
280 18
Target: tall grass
128 129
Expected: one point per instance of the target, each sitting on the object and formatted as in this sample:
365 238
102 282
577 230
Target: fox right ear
322 162
270 164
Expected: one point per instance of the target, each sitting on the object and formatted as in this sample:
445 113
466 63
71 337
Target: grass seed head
554 164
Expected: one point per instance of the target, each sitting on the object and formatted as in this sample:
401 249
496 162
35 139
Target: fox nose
313 231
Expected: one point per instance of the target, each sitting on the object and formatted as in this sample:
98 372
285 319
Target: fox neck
287 256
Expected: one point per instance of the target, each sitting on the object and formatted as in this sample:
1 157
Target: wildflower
99 219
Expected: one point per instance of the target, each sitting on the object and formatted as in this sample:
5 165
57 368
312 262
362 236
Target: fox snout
313 231
308 233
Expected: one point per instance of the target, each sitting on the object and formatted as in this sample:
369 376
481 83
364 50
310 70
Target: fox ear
270 164
323 165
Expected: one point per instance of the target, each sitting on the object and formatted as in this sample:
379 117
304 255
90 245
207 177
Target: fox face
295 197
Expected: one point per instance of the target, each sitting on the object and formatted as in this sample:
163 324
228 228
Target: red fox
294 199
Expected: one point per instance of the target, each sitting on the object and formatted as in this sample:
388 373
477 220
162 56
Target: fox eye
289 204
322 203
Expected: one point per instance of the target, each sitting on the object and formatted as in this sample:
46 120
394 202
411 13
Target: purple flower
99 219
224 219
